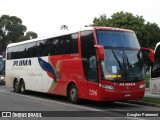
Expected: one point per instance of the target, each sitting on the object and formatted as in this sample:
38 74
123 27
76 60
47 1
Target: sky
46 16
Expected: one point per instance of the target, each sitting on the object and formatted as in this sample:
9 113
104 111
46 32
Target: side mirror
148 55
100 51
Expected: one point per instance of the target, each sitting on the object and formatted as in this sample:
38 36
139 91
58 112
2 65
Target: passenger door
89 62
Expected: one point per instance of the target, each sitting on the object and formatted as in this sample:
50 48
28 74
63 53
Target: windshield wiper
119 63
129 69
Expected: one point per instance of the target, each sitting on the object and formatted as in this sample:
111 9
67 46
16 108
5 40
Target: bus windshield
121 39
123 59
122 65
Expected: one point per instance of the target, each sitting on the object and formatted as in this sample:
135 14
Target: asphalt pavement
147 94
53 107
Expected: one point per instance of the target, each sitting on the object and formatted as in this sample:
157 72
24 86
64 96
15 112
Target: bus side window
9 50
54 46
22 51
74 44
31 50
15 52
42 48
65 46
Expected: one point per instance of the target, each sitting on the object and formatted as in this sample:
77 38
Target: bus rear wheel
73 94
22 87
16 86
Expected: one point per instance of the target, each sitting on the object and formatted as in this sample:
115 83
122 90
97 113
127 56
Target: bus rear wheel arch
72 93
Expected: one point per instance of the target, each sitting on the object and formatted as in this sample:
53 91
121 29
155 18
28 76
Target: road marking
72 105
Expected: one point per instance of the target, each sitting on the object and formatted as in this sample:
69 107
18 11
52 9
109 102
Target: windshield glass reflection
124 65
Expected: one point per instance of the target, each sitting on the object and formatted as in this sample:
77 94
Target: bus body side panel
69 70
9 77
25 69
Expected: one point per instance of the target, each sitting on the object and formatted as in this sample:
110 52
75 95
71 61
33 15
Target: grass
150 100
147 78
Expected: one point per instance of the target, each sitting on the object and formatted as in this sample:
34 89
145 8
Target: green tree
101 21
1 40
12 27
12 30
135 23
151 35
29 35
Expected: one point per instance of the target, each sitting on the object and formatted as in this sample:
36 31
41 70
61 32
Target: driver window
89 56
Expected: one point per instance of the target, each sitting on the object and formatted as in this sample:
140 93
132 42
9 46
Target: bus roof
156 46
68 32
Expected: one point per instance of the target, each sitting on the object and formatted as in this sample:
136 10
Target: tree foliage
12 30
147 33
29 35
151 35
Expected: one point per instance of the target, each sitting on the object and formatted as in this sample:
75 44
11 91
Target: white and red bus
95 63
155 72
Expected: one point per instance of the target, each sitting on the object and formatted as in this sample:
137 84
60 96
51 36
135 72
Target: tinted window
89 56
87 44
54 45
69 44
9 53
117 39
74 44
43 48
14 53
63 45
31 50
22 51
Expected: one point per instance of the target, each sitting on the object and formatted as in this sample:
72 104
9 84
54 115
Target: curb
143 103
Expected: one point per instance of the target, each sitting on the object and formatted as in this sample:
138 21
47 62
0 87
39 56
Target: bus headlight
2 78
142 86
109 87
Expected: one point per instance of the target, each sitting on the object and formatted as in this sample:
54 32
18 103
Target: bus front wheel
73 94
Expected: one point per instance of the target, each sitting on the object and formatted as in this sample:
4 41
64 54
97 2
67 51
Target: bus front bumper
113 95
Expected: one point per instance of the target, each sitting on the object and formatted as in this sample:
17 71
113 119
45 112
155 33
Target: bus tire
16 86
22 87
73 94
